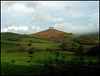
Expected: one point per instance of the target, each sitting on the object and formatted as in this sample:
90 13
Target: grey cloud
76 29
31 4
7 4
45 18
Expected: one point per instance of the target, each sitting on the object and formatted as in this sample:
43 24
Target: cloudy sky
26 17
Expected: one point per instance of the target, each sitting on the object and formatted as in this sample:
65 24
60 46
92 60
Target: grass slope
9 40
4 47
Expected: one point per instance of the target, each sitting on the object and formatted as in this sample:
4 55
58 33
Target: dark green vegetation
48 63
62 55
4 47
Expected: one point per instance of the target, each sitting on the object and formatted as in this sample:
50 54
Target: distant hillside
49 34
10 36
14 36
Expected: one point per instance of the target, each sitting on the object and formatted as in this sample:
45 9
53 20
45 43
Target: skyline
26 17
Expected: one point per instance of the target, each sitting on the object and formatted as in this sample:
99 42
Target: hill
10 36
49 34
10 42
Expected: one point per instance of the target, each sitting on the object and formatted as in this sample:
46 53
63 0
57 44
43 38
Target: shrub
94 51
76 66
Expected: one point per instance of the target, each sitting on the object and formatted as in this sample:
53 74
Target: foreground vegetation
67 55
48 62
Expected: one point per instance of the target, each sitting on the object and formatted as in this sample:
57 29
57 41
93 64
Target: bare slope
48 34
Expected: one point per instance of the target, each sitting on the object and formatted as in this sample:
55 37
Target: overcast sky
26 17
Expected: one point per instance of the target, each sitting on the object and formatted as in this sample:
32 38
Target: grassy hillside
11 40
10 36
31 55
34 40
4 47
56 37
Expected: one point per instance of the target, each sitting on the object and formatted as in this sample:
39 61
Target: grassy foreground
20 63
38 57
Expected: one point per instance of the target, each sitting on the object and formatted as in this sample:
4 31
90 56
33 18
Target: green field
38 56
41 46
34 40
4 47
97 41
37 62
10 40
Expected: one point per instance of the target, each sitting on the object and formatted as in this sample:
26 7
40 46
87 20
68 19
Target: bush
66 44
94 51
76 66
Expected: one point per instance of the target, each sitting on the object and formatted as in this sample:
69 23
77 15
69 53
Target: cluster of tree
66 44
78 44
82 39
72 46
86 39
